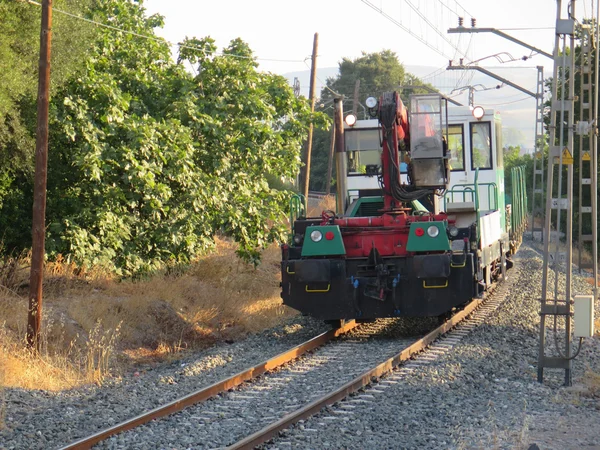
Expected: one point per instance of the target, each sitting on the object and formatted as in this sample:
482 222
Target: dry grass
91 321
316 207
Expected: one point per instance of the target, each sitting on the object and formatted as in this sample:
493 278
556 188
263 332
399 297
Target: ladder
556 301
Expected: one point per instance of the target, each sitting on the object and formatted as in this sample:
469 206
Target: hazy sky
283 30
280 33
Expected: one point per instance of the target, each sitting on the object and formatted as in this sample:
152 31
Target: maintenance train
422 224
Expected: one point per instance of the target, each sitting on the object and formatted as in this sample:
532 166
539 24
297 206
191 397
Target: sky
281 32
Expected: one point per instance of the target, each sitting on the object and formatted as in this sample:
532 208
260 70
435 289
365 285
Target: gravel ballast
482 394
43 420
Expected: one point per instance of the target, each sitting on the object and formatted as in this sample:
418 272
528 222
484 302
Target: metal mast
556 301
537 198
587 210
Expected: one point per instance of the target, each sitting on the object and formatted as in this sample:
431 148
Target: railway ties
423 353
297 390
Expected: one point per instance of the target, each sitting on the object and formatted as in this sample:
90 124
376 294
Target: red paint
329 235
388 233
419 231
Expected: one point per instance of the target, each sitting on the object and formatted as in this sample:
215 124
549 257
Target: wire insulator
473 22
461 21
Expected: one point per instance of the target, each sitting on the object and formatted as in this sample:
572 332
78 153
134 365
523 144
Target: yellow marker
538 155
567 157
586 156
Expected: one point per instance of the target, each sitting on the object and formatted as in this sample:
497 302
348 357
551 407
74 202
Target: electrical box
584 316
565 26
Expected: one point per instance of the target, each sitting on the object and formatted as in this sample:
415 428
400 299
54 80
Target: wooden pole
340 154
355 100
311 98
39 191
330 160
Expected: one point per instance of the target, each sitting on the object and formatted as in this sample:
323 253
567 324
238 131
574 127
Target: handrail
297 209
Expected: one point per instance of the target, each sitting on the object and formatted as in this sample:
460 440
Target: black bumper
421 285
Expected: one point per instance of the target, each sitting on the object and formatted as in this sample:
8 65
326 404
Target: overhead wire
158 39
433 27
403 27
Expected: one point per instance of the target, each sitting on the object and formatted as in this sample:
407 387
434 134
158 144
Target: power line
433 27
159 39
506 103
408 30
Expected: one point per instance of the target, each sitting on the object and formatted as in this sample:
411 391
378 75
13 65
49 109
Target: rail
473 190
357 383
297 209
212 390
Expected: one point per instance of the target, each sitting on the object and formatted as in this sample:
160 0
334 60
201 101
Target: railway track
255 412
212 390
426 349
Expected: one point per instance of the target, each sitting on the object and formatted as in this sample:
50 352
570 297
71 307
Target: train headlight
452 231
297 239
316 236
433 231
371 102
350 120
478 112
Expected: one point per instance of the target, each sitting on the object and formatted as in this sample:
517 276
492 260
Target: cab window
481 146
456 147
362 149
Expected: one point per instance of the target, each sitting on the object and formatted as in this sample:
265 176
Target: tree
19 53
377 72
148 162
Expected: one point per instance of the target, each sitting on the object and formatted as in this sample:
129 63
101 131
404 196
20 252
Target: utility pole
311 97
332 144
330 160
355 101
340 154
537 193
39 190
556 300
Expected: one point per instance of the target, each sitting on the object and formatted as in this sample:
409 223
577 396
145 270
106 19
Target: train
422 224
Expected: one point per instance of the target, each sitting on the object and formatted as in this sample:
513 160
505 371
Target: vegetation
148 162
96 326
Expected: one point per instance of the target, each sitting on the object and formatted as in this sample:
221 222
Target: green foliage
19 54
149 162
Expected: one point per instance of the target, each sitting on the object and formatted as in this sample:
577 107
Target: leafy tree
148 162
19 53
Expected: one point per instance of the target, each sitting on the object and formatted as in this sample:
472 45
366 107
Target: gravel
483 394
43 420
225 419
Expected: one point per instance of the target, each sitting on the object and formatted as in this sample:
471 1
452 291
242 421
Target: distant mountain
517 109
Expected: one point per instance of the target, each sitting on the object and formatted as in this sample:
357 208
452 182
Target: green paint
324 247
367 204
427 243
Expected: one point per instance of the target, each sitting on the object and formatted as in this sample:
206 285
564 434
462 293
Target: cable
506 103
154 38
400 25
420 14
